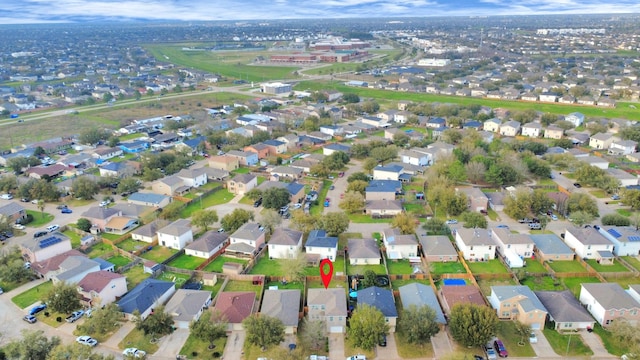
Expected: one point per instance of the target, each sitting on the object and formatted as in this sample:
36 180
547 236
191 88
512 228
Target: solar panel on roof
634 238
49 241
614 233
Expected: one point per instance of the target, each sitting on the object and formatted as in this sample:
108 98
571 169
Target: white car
18 226
86 340
533 338
133 352
554 217
451 221
104 203
357 357
52 228
6 196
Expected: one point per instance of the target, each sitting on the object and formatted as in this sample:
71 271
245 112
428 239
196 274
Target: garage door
535 326
335 329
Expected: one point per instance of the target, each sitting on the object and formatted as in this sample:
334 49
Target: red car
341 174
327 199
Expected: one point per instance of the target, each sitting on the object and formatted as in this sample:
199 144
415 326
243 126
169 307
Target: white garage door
535 326
335 329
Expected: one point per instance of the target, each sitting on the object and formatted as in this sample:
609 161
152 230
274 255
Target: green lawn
367 219
413 351
75 238
492 214
611 343
534 266
32 295
188 262
99 249
215 289
158 254
623 281
399 267
600 194
633 261
560 342
507 333
288 286
615 267
487 267
196 348
266 266
242 170
624 212
177 278
242 286
216 264
567 266
398 283
485 285
339 265
135 275
451 267
119 261
542 283
39 219
360 269
131 245
221 196
573 284
137 339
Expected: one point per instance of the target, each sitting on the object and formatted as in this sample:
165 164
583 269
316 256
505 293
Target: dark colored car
60 207
38 234
577 185
257 203
66 211
36 309
383 340
500 349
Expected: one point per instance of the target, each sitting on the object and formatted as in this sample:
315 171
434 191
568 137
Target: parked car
104 203
86 340
331 187
577 185
615 197
341 174
452 222
18 226
490 351
297 206
52 228
134 352
554 217
257 203
500 349
38 234
383 340
66 211
6 196
75 316
502 226
36 309
357 357
30 319
60 207
533 338
535 226
24 200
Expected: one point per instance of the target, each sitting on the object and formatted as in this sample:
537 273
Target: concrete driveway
171 344
390 351
595 343
542 347
336 346
235 342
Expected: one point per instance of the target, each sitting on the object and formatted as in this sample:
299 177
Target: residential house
460 294
514 248
382 190
496 200
553 132
588 243
224 162
120 169
245 158
387 172
363 252
242 183
548 97
235 307
42 172
291 140
100 288
149 199
601 140
381 299
134 147
437 248
187 305
261 149
532 129
374 121
147 233
46 247
492 125
415 158
436 122
246 241
283 305
176 235
518 302
192 146
332 130
72 269
321 246
329 306
107 153
383 208
296 190
575 118
335 147
207 245
565 310
510 128
626 240
399 246
622 147
304 164
596 161
607 302
193 177
285 172
216 174
475 244
145 297
285 243
276 147
419 295
478 201
626 178
169 185
634 157
13 212
549 247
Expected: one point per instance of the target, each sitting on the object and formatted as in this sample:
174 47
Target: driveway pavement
542 347
233 348
594 342
340 184
170 345
441 345
336 346
390 351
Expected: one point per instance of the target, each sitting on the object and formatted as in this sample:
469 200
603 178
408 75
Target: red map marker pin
326 277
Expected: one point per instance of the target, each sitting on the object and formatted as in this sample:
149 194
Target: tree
540 202
369 163
303 221
232 221
630 197
418 324
270 219
210 327
456 202
615 220
93 135
263 330
83 224
17 164
157 324
204 218
294 268
335 223
436 226
404 222
32 345
523 330
518 206
359 186
474 220
475 171
128 184
473 325
8 183
580 218
84 188
401 139
336 161
366 326
352 202
320 170
254 194
627 336
63 298
275 198
351 98
172 211
314 334
102 320
358 176
384 153
12 267
582 202
76 352
369 279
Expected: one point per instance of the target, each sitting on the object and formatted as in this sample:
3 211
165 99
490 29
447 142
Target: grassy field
633 261
541 283
177 278
573 284
413 351
216 265
75 238
119 261
99 249
534 266
188 262
39 219
137 339
452 267
506 333
221 196
158 254
32 295
399 267
487 267
485 285
131 245
611 343
135 275
567 266
622 110
331 69
360 269
367 219
242 286
196 348
232 64
561 345
266 266
615 267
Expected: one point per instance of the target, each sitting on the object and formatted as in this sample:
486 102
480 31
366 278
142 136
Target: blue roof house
149 294
381 299
134 146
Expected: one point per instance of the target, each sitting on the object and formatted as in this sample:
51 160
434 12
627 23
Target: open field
200 348
231 64
32 295
451 267
622 110
216 265
487 267
185 261
137 339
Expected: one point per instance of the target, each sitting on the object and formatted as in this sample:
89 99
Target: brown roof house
235 306
261 149
607 302
46 269
13 211
100 288
328 305
460 294
242 183
437 248
478 201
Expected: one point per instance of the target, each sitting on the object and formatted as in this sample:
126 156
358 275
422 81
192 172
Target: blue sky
42 11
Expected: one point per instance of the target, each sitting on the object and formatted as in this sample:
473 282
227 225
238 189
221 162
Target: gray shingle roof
283 305
563 306
421 295
143 296
611 296
185 304
510 291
